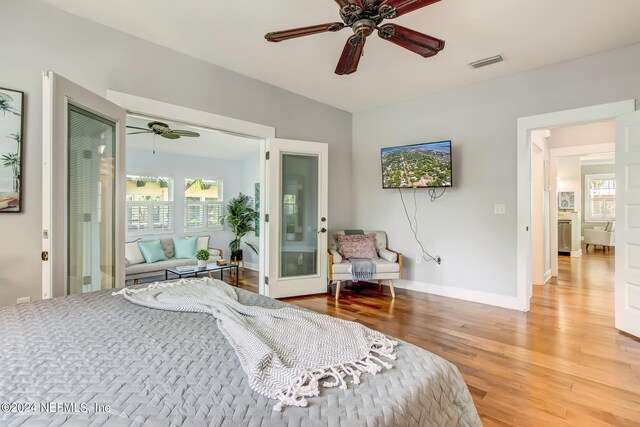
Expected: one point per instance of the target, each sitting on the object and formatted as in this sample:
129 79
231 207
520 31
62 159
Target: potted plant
241 218
202 256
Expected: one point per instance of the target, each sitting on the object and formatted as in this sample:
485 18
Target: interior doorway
627 199
85 168
181 181
526 126
573 192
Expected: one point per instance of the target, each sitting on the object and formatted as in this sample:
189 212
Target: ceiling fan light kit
364 17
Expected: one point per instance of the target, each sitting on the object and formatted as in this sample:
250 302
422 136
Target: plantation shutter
194 216
214 215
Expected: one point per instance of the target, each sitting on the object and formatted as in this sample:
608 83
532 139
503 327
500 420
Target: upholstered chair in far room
388 263
605 237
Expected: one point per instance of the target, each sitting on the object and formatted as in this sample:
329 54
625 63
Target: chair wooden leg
379 285
393 292
338 283
135 281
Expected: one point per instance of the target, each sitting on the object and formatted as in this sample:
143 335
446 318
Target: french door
297 194
627 282
83 179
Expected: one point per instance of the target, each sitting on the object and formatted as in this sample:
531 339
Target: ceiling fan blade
136 133
136 127
185 133
414 41
351 54
170 136
393 8
278 36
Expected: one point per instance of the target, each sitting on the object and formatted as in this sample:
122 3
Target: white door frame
149 107
525 125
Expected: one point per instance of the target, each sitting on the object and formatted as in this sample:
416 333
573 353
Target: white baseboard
547 276
577 253
251 266
497 300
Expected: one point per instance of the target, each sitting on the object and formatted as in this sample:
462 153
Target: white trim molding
498 300
144 106
525 126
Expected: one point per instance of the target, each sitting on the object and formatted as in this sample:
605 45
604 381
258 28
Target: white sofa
605 238
140 270
388 264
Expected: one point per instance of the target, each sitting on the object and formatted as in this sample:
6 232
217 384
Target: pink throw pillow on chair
358 245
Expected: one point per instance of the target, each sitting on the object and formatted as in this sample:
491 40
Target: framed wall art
11 132
566 200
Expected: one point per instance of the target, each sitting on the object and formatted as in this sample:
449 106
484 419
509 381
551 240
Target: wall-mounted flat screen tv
417 166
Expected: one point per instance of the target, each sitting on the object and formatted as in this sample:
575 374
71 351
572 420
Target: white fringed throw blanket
285 352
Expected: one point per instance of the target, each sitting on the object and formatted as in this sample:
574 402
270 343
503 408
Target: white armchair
388 264
605 237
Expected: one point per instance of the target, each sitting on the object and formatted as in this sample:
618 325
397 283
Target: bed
96 359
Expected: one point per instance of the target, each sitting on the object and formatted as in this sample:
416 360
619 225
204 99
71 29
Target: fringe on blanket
308 385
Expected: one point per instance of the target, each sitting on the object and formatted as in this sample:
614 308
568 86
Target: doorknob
322 230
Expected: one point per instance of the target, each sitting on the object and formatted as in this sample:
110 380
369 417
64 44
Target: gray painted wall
237 175
589 170
38 37
478 248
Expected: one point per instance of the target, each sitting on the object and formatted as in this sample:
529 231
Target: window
203 204
149 205
600 197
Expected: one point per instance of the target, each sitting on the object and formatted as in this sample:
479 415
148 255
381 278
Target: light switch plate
499 209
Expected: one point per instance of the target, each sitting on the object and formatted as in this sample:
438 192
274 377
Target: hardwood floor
561 364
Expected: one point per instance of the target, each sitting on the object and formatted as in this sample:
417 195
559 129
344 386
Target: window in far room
600 197
203 204
149 204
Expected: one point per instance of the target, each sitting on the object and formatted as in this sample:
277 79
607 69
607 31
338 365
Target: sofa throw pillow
358 245
185 247
203 242
167 247
151 251
132 253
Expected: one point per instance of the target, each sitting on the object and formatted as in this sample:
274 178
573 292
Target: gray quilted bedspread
123 364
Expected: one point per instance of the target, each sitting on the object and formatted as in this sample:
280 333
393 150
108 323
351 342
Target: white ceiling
210 144
530 34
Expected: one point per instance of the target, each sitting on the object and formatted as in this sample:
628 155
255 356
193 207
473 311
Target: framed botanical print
11 132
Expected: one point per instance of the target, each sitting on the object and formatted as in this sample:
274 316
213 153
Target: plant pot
236 255
202 264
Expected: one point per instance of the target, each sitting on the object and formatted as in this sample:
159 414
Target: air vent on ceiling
487 61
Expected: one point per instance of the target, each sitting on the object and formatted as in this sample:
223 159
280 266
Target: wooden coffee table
195 271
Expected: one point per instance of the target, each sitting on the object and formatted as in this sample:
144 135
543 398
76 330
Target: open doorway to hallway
573 189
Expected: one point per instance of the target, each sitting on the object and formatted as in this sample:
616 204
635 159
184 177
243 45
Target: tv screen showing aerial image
419 165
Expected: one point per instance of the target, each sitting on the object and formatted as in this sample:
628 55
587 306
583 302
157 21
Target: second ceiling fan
364 17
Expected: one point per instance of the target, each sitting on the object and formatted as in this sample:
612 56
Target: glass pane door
296 236
90 202
299 215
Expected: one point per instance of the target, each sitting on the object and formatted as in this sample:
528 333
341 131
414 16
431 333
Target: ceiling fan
363 17
162 129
